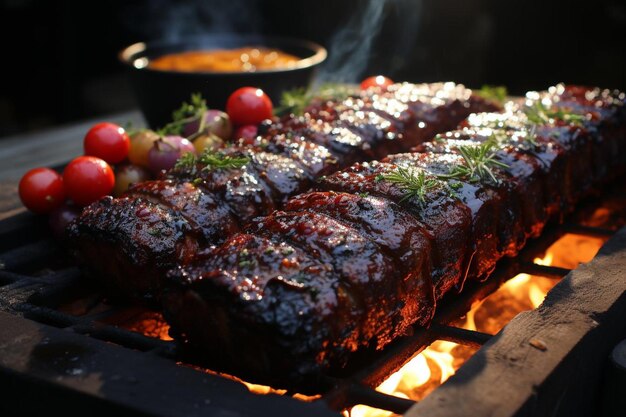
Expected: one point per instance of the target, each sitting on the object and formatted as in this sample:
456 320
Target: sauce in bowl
248 59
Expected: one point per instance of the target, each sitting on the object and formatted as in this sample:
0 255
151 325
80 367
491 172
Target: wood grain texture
549 361
80 375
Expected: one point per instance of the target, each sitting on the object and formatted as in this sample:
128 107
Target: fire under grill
65 346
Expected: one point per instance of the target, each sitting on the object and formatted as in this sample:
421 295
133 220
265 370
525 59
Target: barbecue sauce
249 59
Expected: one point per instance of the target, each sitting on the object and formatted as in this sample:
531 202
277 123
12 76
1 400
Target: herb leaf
539 114
414 185
217 160
531 136
479 162
210 160
495 93
186 161
293 101
296 100
187 113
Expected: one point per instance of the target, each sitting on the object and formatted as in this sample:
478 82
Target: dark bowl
160 92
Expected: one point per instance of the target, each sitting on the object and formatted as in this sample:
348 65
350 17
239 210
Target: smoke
352 47
171 20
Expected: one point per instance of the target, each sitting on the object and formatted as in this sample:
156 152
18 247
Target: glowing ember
147 322
434 365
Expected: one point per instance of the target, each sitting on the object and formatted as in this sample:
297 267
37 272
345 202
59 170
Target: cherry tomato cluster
85 179
114 159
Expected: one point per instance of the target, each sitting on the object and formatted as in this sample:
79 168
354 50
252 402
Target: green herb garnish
287 251
293 101
187 113
495 93
210 160
154 232
539 114
452 188
245 260
186 161
414 185
296 100
245 263
531 136
479 162
217 160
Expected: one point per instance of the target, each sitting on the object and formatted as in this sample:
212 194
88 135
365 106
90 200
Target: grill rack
27 291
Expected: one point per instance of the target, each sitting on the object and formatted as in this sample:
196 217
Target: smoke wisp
349 49
171 20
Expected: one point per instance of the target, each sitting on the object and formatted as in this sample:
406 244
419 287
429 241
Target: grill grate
36 281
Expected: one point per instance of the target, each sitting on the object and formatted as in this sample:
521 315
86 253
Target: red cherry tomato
88 178
376 81
41 190
249 106
107 141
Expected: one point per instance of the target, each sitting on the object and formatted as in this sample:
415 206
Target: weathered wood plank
549 361
44 368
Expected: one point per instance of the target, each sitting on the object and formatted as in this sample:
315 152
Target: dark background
60 57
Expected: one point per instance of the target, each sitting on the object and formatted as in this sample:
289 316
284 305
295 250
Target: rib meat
353 265
285 159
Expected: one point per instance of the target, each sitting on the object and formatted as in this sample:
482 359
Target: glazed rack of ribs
160 224
355 263
285 298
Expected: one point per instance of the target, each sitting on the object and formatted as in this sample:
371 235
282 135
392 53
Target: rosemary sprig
187 113
414 185
335 91
293 101
531 136
210 160
296 100
479 162
495 93
186 161
539 114
217 160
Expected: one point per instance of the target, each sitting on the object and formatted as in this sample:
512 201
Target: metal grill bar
352 393
107 333
579 229
554 272
471 338
29 256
